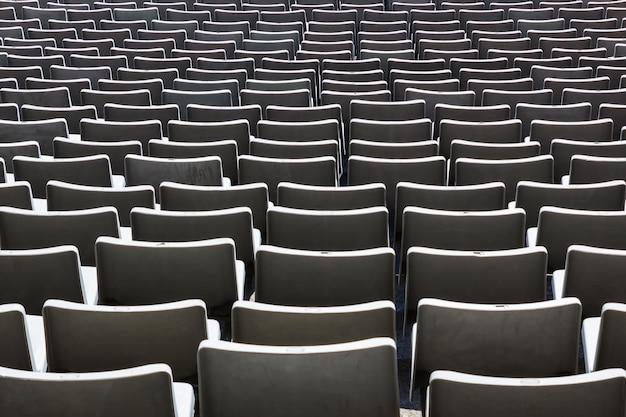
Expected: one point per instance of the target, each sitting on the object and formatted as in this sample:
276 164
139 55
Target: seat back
313 278
496 340
558 228
89 170
63 196
330 230
280 381
185 197
542 397
15 353
136 273
143 391
474 277
531 196
171 226
267 324
25 229
32 276
84 338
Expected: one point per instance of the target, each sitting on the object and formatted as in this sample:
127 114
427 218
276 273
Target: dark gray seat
278 383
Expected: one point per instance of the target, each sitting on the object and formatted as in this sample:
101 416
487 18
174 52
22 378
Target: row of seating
491 340
356 229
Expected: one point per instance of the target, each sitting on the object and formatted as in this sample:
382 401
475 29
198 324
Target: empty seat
489 196
144 170
127 113
267 324
311 171
563 113
26 229
592 275
544 131
563 150
474 277
324 278
142 391
516 397
114 338
603 340
90 170
328 230
180 226
509 171
330 198
532 196
183 197
16 194
42 131
495 340
25 346
369 364
64 196
112 131
136 273
558 228
587 169
462 230
32 276
364 170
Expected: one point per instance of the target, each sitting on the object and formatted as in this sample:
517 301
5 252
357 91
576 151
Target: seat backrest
280 381
509 171
267 324
84 338
364 170
561 113
144 170
143 391
42 131
515 397
531 196
172 226
558 228
50 97
414 130
496 340
474 277
544 131
136 273
328 230
610 341
89 170
185 197
25 229
64 196
371 110
15 353
226 150
593 275
324 278
330 198
16 194
431 98
503 131
488 196
298 131
310 171
586 169
127 113
32 276
456 230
